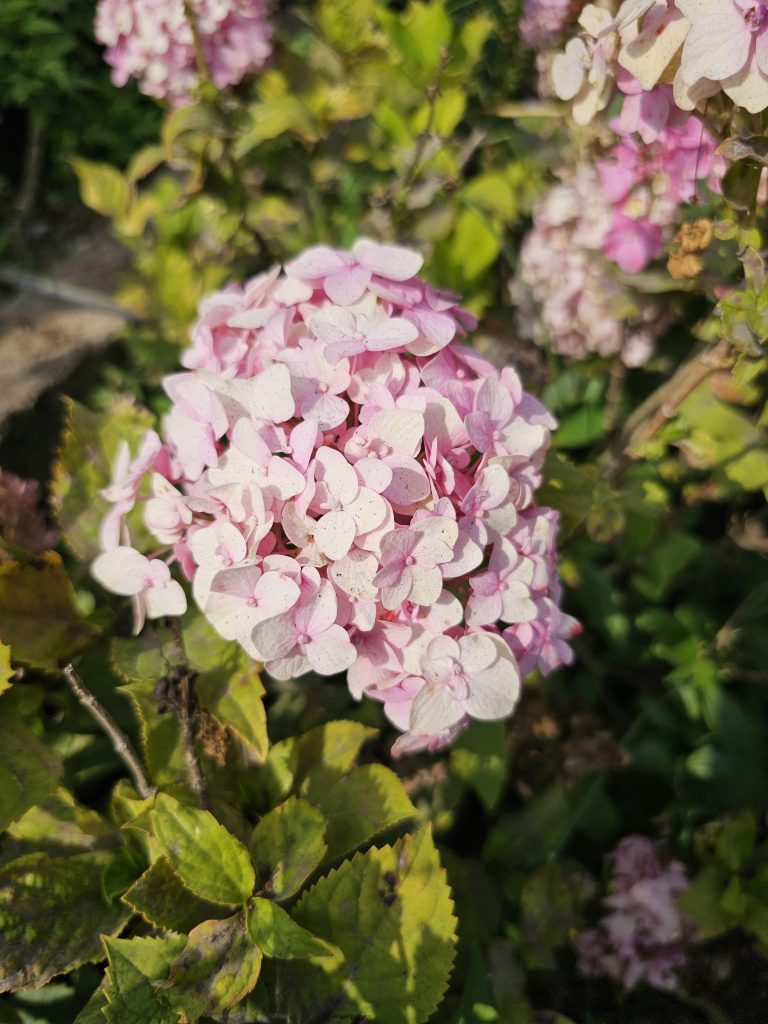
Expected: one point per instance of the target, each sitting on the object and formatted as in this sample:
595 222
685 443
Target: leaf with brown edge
215 971
38 614
52 915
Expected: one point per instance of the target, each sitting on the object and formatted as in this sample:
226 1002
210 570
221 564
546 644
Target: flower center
756 17
302 638
410 560
322 388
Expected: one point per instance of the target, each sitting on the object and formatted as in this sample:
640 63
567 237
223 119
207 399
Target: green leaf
580 428
84 467
278 936
479 758
38 614
134 965
740 184
390 913
103 188
6 669
29 771
52 913
703 901
328 752
209 859
475 244
360 806
286 847
160 896
216 970
160 734
735 843
491 192
236 703
549 915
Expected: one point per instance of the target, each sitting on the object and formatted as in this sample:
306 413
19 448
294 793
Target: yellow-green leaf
208 858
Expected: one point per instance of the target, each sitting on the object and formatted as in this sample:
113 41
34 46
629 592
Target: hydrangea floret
348 488
153 41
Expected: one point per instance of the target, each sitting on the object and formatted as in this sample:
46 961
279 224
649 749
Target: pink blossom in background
152 41
21 519
350 490
568 296
642 936
544 22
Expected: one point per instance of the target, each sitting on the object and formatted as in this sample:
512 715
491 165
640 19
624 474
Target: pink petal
410 483
333 324
369 510
275 638
270 395
391 333
331 652
275 594
434 709
335 534
354 574
315 262
392 262
169 599
122 570
374 474
347 286
705 56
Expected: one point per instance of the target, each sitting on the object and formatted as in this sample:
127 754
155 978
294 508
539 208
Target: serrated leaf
29 771
278 936
360 806
52 914
59 825
134 965
217 968
208 858
84 467
390 912
38 614
286 846
161 898
327 752
94 1010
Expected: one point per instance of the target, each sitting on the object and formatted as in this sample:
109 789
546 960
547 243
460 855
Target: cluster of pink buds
348 489
154 42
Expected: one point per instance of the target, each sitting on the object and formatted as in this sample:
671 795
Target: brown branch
664 404
203 70
120 742
184 706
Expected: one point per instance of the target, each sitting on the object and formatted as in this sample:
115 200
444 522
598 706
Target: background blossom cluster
642 936
152 41
591 310
349 489
624 210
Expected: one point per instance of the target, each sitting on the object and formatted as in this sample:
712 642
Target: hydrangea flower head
152 41
642 936
349 489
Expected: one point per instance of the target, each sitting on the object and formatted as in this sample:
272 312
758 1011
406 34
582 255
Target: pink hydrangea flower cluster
702 47
350 489
152 41
21 521
590 310
642 936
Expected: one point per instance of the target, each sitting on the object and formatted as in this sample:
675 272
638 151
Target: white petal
705 56
335 534
354 574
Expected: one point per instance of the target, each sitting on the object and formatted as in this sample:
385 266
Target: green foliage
29 771
394 929
286 846
39 618
52 912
